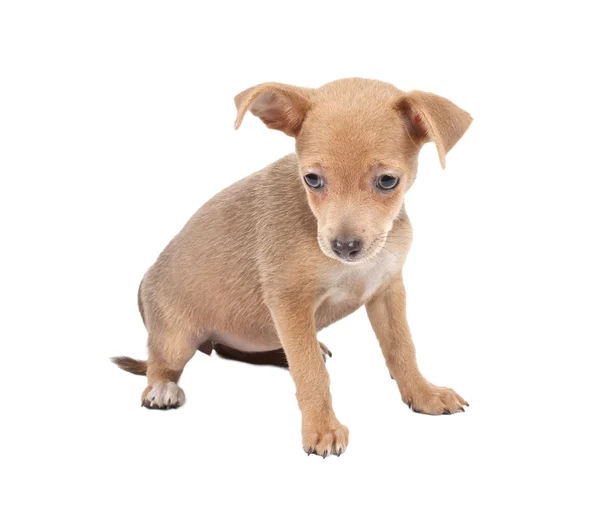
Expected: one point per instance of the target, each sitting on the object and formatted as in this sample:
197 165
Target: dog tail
271 357
131 365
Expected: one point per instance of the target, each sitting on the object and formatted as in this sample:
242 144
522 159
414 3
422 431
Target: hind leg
169 352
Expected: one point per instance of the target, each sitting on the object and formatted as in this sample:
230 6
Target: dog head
357 141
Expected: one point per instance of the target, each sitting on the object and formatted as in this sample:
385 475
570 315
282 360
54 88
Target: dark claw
467 404
325 454
446 411
462 409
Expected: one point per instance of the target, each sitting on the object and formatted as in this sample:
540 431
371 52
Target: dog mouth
367 253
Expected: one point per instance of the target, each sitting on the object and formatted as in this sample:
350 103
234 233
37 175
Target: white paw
163 396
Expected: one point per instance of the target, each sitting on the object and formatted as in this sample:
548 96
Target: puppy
278 256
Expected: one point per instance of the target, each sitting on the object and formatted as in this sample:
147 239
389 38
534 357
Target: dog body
200 284
294 247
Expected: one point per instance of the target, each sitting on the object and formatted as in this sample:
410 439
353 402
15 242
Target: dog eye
387 182
313 180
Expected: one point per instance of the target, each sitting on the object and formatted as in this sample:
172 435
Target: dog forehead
353 124
351 138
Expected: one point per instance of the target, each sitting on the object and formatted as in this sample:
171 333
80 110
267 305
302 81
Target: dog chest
357 284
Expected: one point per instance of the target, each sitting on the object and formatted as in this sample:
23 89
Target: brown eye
313 180
387 182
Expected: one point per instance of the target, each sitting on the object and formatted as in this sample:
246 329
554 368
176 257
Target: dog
276 257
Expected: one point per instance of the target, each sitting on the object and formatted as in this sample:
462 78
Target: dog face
357 141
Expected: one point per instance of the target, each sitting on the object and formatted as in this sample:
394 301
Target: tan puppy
287 251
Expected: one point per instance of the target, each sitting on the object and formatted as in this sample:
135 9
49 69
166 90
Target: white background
116 124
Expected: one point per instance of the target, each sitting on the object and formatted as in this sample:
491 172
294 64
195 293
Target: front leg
387 313
322 433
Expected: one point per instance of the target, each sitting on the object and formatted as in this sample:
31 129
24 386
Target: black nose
346 248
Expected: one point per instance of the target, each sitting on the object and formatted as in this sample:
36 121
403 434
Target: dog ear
429 117
279 106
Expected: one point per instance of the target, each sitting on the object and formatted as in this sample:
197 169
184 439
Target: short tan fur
271 260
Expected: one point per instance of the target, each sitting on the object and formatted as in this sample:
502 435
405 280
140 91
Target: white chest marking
359 283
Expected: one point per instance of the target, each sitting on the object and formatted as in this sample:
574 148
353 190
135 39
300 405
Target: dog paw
163 396
325 352
325 441
434 400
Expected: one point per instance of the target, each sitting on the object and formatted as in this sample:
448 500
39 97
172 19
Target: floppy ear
279 106
429 117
